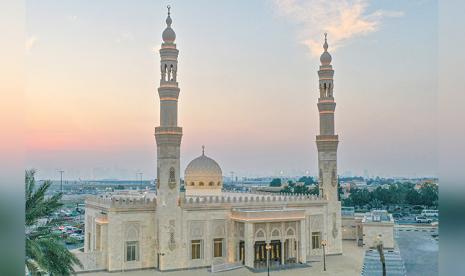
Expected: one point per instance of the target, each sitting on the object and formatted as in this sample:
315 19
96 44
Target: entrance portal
275 253
242 252
290 251
260 254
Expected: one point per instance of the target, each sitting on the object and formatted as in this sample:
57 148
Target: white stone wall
373 232
349 228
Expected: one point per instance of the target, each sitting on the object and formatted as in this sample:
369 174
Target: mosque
199 224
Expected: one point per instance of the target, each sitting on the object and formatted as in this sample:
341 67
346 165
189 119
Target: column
303 242
249 244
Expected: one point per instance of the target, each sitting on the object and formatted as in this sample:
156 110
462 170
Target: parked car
420 219
77 237
397 215
430 213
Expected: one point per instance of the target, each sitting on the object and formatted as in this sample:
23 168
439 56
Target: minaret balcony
168 130
173 84
326 105
328 138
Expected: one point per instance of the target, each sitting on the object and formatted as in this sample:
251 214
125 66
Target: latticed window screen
218 248
316 240
196 249
132 251
172 175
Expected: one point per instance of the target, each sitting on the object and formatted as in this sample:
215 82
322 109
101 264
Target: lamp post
268 247
379 247
323 244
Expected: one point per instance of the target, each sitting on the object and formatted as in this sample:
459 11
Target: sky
249 85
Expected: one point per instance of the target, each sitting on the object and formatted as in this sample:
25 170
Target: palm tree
44 251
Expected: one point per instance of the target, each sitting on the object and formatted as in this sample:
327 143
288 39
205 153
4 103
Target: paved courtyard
347 264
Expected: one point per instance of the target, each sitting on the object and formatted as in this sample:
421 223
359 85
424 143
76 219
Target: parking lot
419 249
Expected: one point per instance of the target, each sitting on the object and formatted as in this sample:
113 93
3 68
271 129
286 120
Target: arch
132 234
211 183
275 233
201 183
219 183
290 231
192 183
171 73
260 234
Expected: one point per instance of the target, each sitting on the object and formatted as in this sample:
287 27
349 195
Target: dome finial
203 150
168 19
325 45
168 34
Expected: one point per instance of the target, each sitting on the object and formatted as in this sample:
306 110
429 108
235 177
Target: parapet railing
245 199
122 202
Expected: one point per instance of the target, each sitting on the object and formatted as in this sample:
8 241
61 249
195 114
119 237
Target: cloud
30 43
341 19
124 36
72 18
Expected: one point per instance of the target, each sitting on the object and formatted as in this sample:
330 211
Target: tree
360 197
413 197
429 194
276 182
307 180
44 251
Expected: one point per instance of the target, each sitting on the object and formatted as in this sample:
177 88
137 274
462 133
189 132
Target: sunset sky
248 79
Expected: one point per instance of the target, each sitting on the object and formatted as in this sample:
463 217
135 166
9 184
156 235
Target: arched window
260 234
201 183
275 233
219 183
192 183
172 175
211 183
165 72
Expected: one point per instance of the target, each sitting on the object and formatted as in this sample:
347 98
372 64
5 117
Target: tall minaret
327 141
168 136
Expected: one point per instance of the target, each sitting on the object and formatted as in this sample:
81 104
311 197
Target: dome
325 58
203 174
168 35
203 166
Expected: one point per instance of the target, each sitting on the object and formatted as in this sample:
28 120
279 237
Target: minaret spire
203 150
168 137
327 140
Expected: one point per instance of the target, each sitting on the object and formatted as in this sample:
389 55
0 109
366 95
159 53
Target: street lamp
268 247
323 244
379 247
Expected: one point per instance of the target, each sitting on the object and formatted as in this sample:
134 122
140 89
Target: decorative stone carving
335 230
218 227
197 229
316 223
333 178
172 241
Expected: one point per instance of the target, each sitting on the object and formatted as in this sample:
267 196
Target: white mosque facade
200 224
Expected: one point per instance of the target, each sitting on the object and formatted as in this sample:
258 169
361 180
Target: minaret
327 141
168 136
